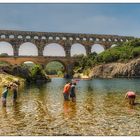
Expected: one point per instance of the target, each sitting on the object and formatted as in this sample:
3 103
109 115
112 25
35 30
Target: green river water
100 110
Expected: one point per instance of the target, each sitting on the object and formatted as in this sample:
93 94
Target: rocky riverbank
7 78
22 73
129 69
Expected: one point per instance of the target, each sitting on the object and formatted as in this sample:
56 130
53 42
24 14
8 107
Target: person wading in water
131 96
4 94
66 91
72 92
14 86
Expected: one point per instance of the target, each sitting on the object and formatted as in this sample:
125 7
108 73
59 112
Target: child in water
4 95
130 95
72 92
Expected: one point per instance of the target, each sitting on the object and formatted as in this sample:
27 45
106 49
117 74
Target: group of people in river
69 91
11 86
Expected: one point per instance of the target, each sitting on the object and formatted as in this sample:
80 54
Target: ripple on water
100 110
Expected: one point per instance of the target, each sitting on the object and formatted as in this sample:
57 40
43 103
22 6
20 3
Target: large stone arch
54 49
29 60
63 63
74 50
68 66
28 49
6 48
21 60
98 48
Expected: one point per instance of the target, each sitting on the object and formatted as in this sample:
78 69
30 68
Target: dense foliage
84 62
122 52
55 68
32 73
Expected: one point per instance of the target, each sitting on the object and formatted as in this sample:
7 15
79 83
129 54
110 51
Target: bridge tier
66 40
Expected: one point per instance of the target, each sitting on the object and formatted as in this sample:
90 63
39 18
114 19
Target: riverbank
31 75
7 78
100 110
81 76
130 69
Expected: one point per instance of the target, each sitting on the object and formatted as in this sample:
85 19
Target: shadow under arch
6 49
54 49
98 48
56 67
28 49
29 64
77 49
28 61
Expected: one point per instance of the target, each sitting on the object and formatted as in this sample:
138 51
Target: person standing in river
131 96
66 91
14 86
73 92
4 95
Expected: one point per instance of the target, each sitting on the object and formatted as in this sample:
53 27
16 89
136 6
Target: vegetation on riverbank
55 69
31 74
123 52
38 74
7 78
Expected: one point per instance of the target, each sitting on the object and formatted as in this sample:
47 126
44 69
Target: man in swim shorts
72 92
4 95
130 95
66 91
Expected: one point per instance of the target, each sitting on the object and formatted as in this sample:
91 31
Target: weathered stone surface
66 40
66 61
114 70
24 73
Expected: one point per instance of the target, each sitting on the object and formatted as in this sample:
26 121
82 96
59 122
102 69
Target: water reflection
100 109
69 109
4 112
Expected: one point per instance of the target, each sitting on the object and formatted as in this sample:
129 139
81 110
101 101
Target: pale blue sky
119 19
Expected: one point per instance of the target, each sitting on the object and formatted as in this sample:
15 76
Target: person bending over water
4 95
72 92
66 91
131 96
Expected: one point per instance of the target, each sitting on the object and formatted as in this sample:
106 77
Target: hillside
122 60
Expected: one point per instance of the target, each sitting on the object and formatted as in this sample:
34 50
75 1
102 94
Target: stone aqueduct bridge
66 40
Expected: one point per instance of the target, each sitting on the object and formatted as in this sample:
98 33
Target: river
100 110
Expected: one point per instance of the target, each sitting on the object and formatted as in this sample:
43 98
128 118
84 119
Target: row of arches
55 67
3 36
52 49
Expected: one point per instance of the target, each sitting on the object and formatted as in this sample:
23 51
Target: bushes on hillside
123 52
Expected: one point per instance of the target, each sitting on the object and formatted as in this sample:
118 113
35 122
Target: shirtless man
66 91
130 95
